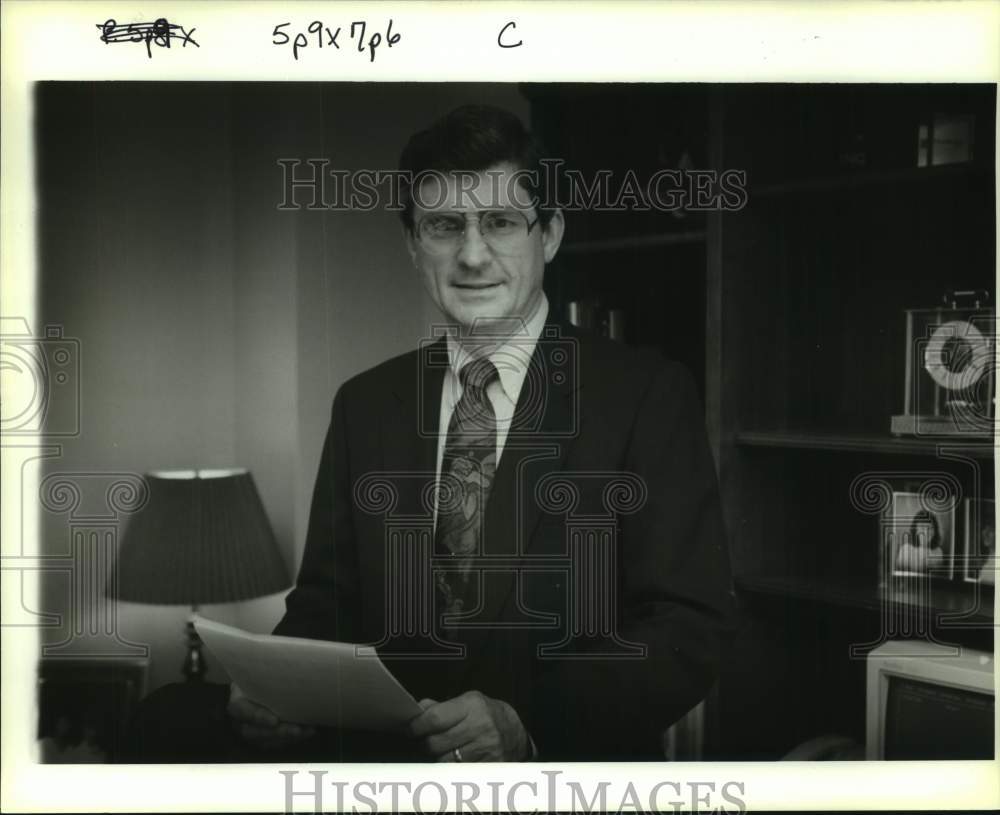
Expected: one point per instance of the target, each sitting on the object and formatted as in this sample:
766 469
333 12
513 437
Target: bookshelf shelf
978 447
634 242
916 176
957 605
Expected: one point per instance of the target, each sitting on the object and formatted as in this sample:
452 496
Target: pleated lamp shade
203 537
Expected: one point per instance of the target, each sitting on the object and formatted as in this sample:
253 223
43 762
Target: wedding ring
458 755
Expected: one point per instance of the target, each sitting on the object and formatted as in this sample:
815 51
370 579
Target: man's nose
473 250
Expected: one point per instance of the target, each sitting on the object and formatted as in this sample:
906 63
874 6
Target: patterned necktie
467 470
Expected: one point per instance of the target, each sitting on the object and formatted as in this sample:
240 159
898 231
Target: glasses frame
474 216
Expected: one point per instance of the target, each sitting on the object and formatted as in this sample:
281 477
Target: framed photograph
921 541
980 564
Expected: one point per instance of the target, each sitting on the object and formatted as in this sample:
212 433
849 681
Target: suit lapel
541 434
410 425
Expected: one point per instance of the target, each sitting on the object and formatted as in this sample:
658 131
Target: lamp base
194 663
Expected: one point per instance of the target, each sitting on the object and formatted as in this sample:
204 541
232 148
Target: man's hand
260 726
483 729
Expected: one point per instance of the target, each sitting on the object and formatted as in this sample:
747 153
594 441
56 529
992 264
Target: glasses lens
442 228
503 225
503 230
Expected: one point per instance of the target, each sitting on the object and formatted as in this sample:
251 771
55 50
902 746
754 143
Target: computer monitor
929 702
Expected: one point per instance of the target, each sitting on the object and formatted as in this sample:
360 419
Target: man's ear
552 235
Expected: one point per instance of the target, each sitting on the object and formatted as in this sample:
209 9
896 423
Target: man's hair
474 138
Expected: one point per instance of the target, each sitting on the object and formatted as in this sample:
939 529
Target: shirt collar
511 357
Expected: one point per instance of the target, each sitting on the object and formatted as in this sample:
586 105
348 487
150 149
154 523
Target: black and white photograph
923 539
397 424
234 273
980 541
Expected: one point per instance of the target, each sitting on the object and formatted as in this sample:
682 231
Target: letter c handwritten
500 41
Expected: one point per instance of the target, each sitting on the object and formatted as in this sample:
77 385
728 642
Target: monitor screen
931 722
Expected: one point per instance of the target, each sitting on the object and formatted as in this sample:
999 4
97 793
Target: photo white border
681 41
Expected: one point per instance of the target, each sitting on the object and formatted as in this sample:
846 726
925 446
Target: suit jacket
604 603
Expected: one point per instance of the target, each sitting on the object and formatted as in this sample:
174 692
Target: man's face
474 279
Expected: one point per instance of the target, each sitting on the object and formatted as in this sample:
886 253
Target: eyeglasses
504 231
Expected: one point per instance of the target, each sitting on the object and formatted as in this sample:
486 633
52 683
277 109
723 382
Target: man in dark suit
523 517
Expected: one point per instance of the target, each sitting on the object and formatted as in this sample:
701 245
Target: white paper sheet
311 681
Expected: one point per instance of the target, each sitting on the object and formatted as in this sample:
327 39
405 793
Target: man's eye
444 226
502 221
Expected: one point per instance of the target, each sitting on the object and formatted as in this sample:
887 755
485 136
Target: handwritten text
159 33
320 35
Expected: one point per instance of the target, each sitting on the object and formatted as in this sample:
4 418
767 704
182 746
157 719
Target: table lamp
203 537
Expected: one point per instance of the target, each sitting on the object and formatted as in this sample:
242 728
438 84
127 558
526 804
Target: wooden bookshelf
808 289
790 314
914 177
634 242
975 446
959 605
